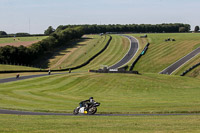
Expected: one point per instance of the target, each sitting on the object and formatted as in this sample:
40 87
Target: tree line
135 28
66 33
3 34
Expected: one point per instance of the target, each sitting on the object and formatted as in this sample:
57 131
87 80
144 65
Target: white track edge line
128 51
178 60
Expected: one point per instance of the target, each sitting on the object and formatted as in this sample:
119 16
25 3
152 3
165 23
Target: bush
3 33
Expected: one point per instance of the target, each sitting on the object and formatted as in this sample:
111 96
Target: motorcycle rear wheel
75 112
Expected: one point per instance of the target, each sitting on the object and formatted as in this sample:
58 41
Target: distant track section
169 70
134 45
26 77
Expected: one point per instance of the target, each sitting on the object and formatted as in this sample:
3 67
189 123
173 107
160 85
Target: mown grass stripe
161 54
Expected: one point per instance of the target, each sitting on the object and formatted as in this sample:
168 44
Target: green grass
161 54
21 39
194 73
15 67
116 50
196 46
84 50
99 124
119 93
80 52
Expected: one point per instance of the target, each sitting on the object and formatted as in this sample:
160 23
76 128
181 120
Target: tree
3 33
22 34
196 29
182 29
49 30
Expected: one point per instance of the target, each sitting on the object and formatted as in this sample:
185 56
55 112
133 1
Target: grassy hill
86 48
116 50
83 49
161 54
79 52
117 93
141 93
121 93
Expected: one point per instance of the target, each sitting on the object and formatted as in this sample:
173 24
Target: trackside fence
137 59
107 71
190 69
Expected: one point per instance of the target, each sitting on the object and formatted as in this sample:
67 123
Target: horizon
35 16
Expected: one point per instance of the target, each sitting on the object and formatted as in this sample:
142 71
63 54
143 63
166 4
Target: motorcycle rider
87 103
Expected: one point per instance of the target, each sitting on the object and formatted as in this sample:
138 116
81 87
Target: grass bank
116 50
161 54
79 52
99 124
118 93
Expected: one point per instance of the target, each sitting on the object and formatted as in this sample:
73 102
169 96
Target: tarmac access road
31 76
134 46
23 77
13 112
169 70
20 78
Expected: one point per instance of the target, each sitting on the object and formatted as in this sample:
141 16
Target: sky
35 16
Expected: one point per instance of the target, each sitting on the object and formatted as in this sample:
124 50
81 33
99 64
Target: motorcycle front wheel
92 111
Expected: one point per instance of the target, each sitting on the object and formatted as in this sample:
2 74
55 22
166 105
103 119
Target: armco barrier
142 53
190 69
67 69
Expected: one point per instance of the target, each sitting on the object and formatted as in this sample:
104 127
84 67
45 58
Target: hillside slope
161 54
122 93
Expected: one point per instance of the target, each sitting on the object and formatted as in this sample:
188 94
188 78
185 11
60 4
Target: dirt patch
17 44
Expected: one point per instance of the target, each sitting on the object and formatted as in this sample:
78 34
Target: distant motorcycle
91 111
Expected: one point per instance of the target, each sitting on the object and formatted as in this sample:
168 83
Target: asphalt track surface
169 70
26 77
13 112
134 45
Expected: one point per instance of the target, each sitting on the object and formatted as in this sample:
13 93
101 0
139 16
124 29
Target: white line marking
128 51
178 61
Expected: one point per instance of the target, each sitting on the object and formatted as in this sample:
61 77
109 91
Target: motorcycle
92 109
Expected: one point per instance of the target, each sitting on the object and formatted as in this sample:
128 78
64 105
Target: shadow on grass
44 60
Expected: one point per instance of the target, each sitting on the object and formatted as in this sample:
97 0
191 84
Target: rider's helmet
91 99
